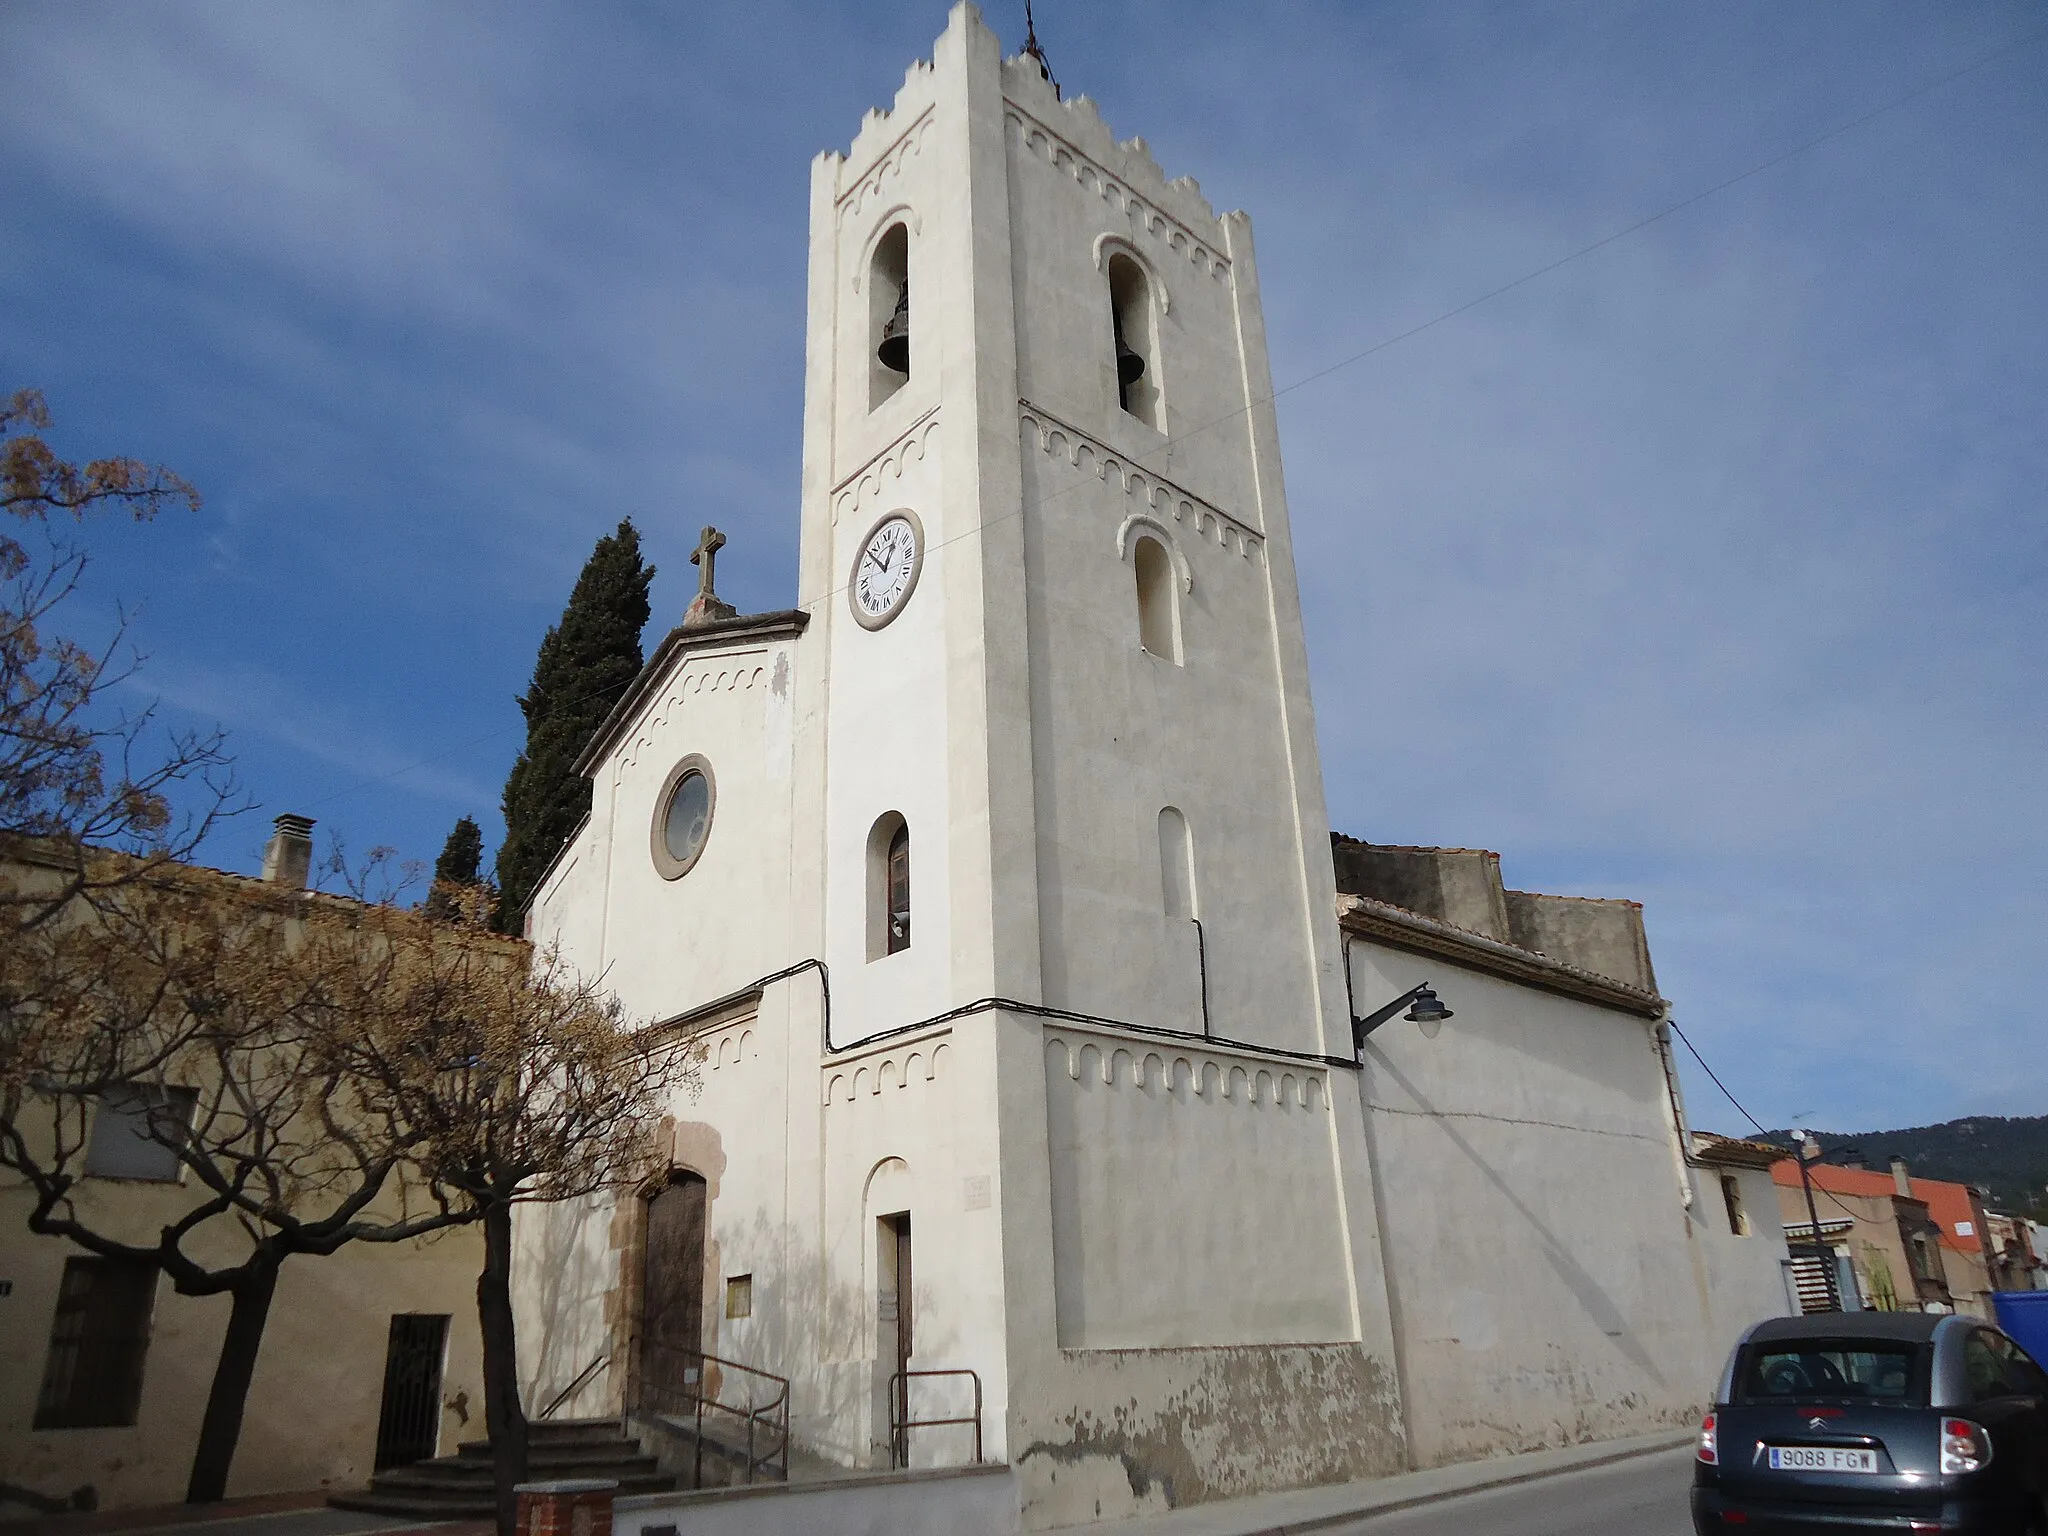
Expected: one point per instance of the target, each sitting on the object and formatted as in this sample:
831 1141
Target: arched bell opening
888 885
1135 333
889 315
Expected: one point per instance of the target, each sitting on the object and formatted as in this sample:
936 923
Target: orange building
1912 1243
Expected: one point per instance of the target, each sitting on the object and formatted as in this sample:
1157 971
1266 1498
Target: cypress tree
460 864
585 663
462 855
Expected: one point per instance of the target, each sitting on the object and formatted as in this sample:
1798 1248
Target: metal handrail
901 1423
575 1386
767 1421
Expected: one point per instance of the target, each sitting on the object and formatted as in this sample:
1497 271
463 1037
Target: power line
1530 276
1696 1056
1752 1119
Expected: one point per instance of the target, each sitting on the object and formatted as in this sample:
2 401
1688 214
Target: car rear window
1858 1370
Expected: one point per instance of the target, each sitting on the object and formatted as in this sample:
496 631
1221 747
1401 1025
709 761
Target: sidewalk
278 1514
1310 1509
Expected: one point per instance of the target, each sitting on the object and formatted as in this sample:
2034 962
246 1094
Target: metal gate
409 1426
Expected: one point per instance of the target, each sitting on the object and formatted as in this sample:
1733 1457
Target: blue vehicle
1874 1421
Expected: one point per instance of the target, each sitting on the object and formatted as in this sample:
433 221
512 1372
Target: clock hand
869 556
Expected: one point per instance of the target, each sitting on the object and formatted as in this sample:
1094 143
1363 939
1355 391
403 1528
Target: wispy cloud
1709 569
251 702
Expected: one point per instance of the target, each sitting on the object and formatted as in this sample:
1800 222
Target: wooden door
895 1308
672 1293
903 1292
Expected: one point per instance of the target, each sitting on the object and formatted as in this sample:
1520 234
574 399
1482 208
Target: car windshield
1865 1370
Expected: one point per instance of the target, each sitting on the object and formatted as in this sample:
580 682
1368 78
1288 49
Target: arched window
889 315
1158 605
1137 340
888 886
1176 864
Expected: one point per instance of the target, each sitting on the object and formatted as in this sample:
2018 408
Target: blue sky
1707 569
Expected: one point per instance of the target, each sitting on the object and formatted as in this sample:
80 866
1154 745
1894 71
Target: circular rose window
682 816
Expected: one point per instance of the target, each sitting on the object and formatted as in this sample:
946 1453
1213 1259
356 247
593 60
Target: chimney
288 858
1900 1180
1851 1157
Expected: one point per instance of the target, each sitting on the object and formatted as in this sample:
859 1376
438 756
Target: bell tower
1058 818
1045 537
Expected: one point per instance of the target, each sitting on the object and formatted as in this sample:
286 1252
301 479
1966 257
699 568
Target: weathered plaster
1161 1429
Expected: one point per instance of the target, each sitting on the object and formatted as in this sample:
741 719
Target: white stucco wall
1549 1283
1745 1278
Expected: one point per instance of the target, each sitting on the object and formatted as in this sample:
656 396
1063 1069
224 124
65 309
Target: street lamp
1809 1149
1427 1013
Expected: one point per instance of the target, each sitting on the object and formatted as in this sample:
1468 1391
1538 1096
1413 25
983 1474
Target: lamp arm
1361 1027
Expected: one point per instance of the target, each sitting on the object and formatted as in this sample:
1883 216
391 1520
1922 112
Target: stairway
458 1486
721 1463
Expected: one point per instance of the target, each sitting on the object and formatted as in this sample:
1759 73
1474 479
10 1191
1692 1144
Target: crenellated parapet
1071 135
889 139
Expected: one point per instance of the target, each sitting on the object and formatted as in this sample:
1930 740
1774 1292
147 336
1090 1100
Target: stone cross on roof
707 606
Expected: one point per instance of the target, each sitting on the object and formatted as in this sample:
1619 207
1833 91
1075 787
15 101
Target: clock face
885 570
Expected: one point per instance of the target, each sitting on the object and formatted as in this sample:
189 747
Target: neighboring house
1916 1243
370 1353
2017 1264
1736 1210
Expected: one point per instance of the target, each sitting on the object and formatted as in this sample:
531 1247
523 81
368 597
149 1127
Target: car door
2014 1476
2029 1387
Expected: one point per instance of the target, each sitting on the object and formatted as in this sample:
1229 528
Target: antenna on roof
1036 53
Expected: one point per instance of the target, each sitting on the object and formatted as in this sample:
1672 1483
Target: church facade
994 883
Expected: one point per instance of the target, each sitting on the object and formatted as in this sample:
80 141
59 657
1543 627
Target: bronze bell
894 352
1130 367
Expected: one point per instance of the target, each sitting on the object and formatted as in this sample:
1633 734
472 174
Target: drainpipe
1674 1110
1390 1283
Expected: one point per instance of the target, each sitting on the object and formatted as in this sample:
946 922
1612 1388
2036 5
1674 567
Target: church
1070 1099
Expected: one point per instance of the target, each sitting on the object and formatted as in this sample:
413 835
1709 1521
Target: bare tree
327 1070
75 773
508 1086
194 1004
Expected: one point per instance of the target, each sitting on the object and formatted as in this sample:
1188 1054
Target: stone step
454 1473
565 1432
444 1502
369 1501
451 1487
541 1453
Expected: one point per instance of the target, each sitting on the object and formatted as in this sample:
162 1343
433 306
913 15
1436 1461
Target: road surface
1643 1496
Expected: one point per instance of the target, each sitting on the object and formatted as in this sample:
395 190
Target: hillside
2008 1156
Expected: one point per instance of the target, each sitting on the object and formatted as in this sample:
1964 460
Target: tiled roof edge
1382 920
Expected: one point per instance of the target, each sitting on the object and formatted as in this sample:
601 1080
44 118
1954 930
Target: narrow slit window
1135 336
889 316
1158 607
1731 1196
1176 864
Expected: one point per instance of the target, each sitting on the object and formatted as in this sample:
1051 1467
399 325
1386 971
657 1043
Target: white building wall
1745 1271
1546 1280
1167 1265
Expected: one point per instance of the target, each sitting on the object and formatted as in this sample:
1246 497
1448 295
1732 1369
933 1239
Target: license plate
1819 1458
